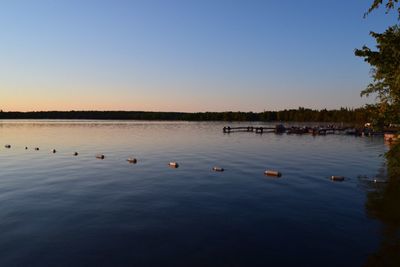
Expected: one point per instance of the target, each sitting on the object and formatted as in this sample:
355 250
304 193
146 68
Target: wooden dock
321 130
257 130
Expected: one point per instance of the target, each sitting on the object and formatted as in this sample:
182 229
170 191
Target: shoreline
343 115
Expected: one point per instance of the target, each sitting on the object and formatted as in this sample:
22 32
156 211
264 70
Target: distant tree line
358 115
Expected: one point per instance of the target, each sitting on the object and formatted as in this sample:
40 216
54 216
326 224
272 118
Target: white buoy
100 156
76 154
7 146
132 160
173 164
272 173
337 178
218 169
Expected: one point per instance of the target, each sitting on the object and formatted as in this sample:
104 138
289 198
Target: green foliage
389 4
385 63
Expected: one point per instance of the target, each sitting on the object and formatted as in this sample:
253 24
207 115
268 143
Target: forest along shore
355 116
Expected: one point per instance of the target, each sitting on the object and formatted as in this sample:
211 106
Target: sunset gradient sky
184 55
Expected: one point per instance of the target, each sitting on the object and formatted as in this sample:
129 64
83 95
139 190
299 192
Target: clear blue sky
184 55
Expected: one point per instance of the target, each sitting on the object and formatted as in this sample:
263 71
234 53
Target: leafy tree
385 63
385 71
382 204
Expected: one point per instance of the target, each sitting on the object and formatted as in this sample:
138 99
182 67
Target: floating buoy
7 146
379 181
273 173
132 160
100 156
76 154
54 151
173 164
218 169
36 148
337 178
26 148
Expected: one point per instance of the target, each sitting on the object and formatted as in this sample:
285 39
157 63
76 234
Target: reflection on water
65 210
383 205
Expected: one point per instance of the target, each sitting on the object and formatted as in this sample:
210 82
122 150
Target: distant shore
359 115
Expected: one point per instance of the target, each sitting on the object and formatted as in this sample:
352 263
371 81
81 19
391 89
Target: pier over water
319 130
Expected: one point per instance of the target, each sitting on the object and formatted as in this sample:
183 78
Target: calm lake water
61 210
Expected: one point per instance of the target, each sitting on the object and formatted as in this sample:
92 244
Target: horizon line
159 111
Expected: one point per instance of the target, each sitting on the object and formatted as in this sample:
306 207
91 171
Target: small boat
390 137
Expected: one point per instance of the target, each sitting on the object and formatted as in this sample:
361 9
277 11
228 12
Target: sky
190 56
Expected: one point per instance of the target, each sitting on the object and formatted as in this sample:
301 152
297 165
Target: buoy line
174 165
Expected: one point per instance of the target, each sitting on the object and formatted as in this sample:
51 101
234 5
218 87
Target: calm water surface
61 210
